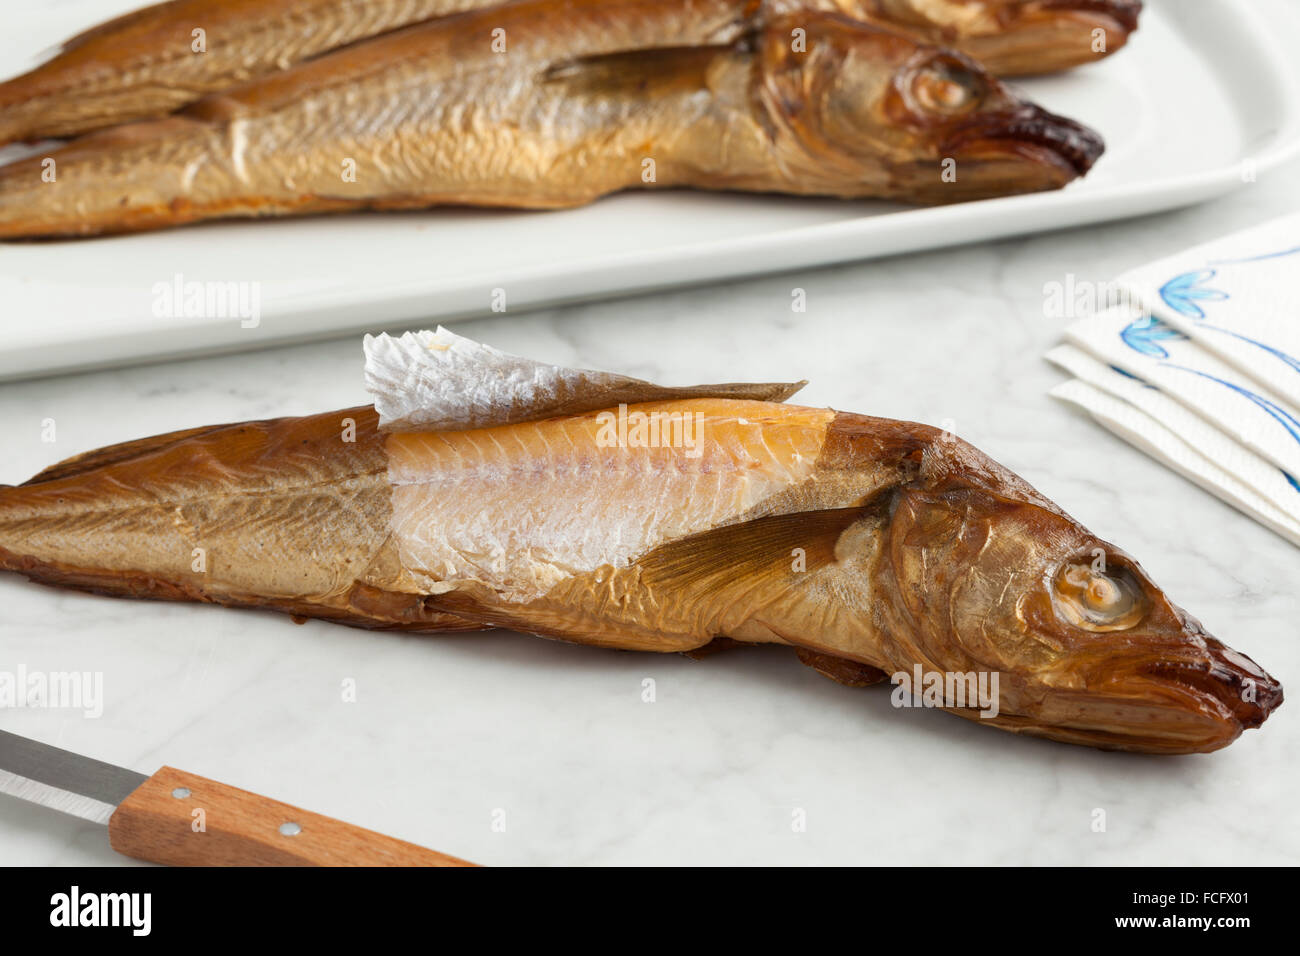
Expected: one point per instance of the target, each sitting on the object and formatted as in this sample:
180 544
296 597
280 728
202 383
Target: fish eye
1099 600
946 85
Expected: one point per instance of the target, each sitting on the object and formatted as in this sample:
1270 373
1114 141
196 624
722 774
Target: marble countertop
450 735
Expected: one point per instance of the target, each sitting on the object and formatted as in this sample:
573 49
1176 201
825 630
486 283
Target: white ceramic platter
1204 95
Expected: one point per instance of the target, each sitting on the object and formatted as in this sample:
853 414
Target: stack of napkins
1197 362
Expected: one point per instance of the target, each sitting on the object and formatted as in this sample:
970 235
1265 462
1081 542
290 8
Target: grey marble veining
447 731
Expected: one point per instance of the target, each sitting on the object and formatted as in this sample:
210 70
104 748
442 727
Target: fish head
1011 37
991 576
1014 37
885 114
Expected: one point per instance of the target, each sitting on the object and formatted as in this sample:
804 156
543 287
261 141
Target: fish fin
711 648
763 553
378 609
841 669
366 607
650 72
558 622
761 557
440 381
736 566
112 454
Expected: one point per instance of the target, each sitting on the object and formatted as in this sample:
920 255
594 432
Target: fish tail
19 114
153 174
19 199
37 105
119 180
110 520
94 567
16 533
43 525
67 96
289 515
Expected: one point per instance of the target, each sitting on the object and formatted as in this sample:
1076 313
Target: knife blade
182 819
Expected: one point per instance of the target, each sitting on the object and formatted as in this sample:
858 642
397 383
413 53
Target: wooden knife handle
158 822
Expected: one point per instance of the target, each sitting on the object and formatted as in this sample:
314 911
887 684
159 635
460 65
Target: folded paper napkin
1197 363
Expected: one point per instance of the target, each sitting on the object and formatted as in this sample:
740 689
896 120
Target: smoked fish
1013 37
710 98
481 490
158 59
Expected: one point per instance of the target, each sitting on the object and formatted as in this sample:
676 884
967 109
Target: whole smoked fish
483 490
434 115
152 62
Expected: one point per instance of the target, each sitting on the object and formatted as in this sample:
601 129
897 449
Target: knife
181 819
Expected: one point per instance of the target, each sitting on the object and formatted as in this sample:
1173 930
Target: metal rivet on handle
290 829
180 793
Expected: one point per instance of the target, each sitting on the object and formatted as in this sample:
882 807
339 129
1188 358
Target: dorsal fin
440 381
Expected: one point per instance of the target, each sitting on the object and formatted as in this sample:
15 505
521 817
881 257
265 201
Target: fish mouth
1233 682
1031 132
1195 699
1143 729
1191 702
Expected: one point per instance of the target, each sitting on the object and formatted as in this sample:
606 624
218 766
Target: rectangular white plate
1203 93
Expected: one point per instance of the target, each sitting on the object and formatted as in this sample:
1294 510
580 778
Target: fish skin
1010 37
142 66
917 549
720 460
431 116
126 520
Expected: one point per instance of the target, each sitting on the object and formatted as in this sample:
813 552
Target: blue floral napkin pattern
1200 367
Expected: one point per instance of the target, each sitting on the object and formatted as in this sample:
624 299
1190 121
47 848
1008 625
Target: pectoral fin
679 596
651 72
768 552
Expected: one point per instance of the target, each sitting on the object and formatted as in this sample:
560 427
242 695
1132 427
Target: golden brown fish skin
917 550
562 119
1011 37
256 499
920 550
972 572
144 65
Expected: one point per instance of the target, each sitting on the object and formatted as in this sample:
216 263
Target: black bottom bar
948 906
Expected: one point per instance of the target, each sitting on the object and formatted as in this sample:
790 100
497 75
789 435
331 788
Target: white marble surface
448 730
